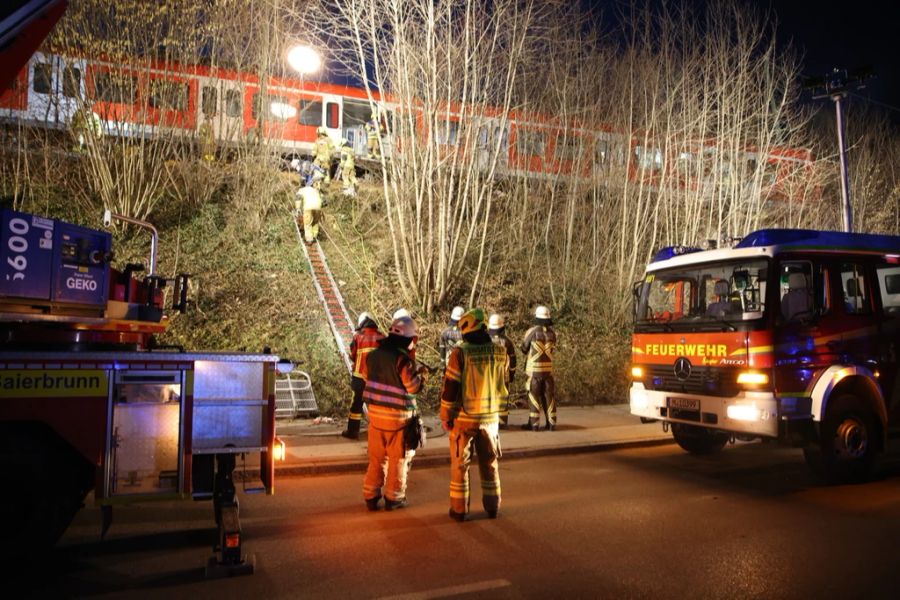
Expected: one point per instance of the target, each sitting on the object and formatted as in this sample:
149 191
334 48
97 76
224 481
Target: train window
650 159
567 148
530 142
119 89
448 133
233 104
686 163
333 115
168 95
43 78
72 82
356 113
310 112
208 101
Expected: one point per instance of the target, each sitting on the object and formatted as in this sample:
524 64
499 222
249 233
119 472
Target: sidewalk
315 448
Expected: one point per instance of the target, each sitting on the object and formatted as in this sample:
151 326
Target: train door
145 445
355 115
331 118
490 133
221 110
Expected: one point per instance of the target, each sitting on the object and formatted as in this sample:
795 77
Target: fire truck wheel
698 440
847 446
50 482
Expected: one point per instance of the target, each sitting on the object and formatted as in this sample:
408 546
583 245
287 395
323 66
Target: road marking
455 590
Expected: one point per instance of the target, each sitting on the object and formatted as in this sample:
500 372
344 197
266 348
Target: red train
165 97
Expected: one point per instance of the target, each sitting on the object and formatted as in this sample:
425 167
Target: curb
340 466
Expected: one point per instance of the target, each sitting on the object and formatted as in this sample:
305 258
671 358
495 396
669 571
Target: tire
848 442
699 440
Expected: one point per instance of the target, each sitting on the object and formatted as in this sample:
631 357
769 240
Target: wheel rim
851 440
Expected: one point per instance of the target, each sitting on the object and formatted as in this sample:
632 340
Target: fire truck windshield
704 295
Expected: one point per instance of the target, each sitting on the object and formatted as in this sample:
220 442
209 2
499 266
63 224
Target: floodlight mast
836 85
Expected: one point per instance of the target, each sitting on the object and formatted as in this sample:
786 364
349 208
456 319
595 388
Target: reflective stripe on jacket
538 347
364 341
474 387
391 385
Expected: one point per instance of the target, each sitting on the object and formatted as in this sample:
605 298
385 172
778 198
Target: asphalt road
640 523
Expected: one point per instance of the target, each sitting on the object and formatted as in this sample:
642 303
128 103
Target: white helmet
295 164
404 327
496 321
400 313
542 312
457 313
321 131
363 317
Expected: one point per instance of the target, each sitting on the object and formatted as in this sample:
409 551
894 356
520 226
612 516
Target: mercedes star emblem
682 369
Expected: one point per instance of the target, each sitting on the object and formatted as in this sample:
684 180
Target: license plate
684 403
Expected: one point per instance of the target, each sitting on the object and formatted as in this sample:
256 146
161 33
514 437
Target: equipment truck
90 403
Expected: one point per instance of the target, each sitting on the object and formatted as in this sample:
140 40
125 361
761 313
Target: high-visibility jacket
392 381
538 347
364 341
323 150
348 160
310 198
474 386
501 339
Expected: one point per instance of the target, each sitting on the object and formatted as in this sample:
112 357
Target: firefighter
497 331
373 136
472 395
309 204
323 151
538 346
85 124
364 341
348 169
392 381
450 336
207 141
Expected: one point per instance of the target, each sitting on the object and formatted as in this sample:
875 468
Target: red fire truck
89 403
790 335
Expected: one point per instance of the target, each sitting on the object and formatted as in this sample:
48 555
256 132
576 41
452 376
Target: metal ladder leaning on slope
329 296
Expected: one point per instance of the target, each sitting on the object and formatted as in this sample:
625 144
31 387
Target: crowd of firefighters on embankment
477 357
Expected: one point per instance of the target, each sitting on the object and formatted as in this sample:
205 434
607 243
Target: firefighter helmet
457 313
542 312
321 131
404 327
400 313
345 143
496 321
363 317
472 321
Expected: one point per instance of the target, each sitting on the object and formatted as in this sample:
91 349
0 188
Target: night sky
846 34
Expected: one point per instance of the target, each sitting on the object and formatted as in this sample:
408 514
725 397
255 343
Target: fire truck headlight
279 449
743 412
752 378
637 373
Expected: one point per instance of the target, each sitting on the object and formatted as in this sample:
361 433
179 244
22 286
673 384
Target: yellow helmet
472 321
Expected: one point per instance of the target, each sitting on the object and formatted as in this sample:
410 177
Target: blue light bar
821 240
673 251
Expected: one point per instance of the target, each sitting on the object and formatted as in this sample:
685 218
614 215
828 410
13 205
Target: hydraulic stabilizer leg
230 560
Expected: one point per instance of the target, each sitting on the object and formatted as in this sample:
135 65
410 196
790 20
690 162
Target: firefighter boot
372 503
352 431
394 504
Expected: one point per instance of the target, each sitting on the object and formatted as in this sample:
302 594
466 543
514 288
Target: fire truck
89 402
789 335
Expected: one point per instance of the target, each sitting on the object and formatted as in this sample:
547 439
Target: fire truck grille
707 381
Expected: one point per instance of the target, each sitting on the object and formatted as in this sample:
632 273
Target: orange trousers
389 464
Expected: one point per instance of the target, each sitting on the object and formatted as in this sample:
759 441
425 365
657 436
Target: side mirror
636 288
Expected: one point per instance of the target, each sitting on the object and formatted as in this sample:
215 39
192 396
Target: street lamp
304 59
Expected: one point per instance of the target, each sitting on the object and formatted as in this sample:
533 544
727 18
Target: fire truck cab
790 335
